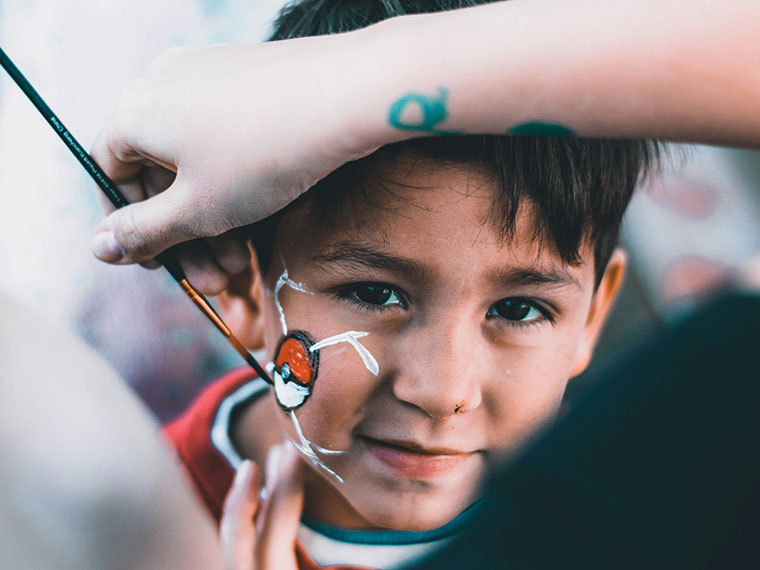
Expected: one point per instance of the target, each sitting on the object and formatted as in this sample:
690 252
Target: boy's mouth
411 460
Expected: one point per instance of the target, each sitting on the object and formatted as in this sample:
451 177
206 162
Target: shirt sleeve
190 435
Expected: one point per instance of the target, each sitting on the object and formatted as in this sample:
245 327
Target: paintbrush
117 199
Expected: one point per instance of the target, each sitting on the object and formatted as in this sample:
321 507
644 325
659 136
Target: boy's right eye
373 295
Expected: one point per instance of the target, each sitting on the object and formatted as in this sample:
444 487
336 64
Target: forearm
247 129
677 70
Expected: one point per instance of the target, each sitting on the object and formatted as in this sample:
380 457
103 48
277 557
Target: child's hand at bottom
261 534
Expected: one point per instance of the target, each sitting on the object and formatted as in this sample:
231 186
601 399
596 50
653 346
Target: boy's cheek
338 402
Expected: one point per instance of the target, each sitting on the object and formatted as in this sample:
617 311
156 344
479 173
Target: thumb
140 231
280 516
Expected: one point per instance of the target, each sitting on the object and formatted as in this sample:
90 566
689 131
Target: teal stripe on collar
393 537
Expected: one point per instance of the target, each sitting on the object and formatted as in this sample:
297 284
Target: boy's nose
440 372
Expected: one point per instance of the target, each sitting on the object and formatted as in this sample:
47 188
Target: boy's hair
579 187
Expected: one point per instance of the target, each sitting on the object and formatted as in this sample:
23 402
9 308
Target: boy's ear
241 305
601 304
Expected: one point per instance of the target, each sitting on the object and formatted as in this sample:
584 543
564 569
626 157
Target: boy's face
475 340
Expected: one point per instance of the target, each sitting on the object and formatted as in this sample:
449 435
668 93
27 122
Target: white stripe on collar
220 429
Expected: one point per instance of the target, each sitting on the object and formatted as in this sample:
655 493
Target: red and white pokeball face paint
295 370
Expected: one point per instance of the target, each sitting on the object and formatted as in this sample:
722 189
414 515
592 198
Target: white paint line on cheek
325 451
307 449
308 443
283 280
350 337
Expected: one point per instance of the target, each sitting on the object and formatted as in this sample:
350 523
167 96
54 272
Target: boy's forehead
426 218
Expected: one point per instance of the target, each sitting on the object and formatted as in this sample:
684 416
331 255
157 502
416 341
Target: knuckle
124 123
135 242
215 281
237 260
114 142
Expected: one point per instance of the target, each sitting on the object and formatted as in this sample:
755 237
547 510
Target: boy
424 308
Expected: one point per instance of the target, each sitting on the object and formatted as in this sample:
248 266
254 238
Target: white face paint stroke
281 282
308 444
350 337
307 449
325 451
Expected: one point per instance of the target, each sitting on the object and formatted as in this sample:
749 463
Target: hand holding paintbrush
116 198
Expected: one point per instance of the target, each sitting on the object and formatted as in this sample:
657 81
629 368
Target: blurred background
690 232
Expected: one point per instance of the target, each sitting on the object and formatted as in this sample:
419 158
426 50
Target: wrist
373 67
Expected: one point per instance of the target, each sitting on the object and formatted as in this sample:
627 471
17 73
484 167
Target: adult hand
261 534
216 138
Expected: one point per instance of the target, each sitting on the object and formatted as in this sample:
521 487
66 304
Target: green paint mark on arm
537 128
432 110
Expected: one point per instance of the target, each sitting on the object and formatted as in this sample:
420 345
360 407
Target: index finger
236 531
277 523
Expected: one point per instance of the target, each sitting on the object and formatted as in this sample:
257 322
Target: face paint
297 356
350 337
295 370
309 449
297 362
295 367
281 282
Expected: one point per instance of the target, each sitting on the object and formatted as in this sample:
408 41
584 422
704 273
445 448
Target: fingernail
243 470
106 248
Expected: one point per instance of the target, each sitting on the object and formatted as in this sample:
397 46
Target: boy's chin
417 517
367 499
417 512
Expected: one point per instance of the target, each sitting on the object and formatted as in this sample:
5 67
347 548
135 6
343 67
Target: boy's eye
376 294
517 310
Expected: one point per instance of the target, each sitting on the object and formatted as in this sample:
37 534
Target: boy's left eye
516 310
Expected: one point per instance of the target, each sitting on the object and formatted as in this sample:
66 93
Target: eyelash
546 314
348 293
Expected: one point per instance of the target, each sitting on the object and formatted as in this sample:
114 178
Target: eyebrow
354 256
531 276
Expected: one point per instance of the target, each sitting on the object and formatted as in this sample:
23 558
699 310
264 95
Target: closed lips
413 447
411 460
